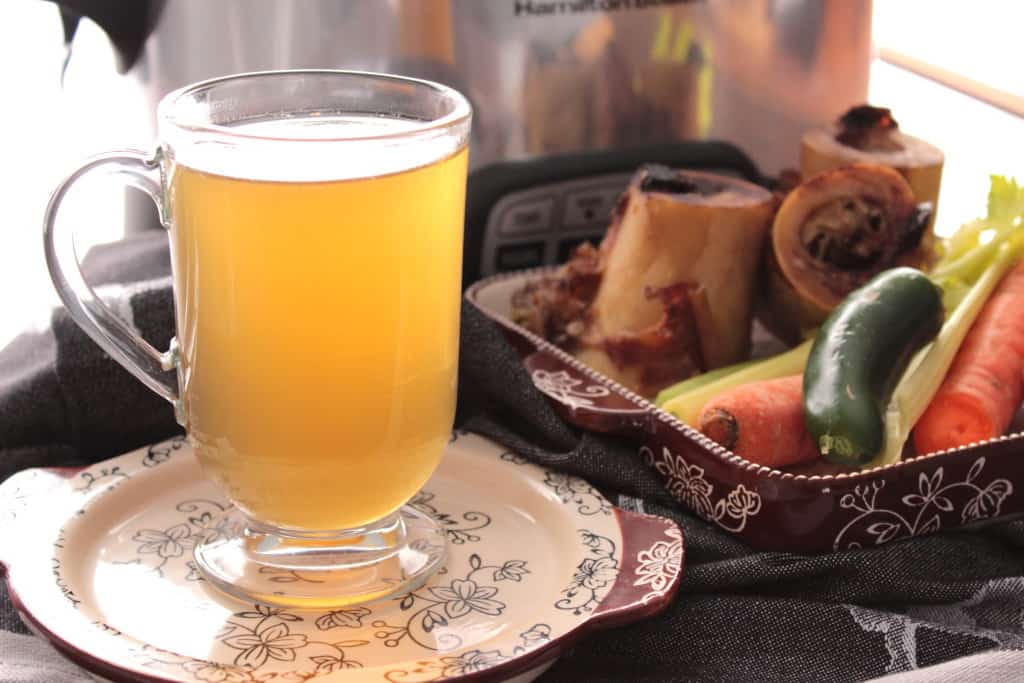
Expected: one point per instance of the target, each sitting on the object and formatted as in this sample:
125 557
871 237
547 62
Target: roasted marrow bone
832 234
867 134
669 291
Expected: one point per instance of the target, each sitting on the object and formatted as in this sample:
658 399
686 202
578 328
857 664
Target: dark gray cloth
25 659
63 401
741 614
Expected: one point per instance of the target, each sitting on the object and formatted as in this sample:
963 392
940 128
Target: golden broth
318 330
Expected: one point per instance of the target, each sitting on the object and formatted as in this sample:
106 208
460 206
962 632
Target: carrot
985 384
762 422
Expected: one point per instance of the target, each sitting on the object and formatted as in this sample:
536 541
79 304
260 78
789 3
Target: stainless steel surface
554 76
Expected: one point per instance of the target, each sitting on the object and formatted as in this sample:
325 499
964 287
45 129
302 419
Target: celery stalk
926 372
687 406
697 381
969 265
965 239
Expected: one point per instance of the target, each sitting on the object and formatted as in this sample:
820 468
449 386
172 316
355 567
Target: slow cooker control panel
543 224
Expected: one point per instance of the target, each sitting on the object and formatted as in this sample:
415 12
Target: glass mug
315 221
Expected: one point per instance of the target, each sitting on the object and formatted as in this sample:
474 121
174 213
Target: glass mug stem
317 408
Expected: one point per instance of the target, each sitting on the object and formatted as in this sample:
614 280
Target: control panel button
567 246
528 217
592 206
519 256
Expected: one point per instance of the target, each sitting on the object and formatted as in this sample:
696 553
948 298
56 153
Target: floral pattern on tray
687 483
574 393
960 502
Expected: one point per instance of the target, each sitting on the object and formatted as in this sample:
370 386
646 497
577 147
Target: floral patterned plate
98 561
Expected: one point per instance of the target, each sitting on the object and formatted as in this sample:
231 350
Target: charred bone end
914 230
842 226
865 116
868 128
662 179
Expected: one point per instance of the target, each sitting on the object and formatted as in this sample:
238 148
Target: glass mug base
321 570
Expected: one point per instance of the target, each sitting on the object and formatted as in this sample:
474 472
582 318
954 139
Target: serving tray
767 508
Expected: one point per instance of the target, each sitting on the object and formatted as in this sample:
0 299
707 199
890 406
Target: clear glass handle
113 335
